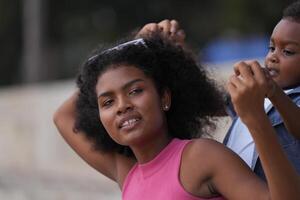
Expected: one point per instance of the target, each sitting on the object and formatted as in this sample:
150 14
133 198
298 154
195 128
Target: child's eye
271 48
288 52
135 91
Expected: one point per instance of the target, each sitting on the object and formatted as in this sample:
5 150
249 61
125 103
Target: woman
141 104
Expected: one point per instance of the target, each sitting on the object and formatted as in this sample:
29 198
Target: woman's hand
168 28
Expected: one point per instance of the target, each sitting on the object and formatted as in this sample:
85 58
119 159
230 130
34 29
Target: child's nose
272 57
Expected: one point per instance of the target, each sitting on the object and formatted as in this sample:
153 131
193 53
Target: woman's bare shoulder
198 166
207 154
204 146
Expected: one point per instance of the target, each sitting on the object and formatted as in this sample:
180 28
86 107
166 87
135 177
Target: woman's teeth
129 122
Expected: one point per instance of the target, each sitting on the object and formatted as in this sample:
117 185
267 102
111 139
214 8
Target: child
140 103
282 63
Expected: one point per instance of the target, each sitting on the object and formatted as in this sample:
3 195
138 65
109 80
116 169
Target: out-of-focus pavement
35 162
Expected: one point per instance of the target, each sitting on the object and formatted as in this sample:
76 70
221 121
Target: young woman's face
130 108
283 58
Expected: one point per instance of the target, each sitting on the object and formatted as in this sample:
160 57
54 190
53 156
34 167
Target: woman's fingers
148 29
165 27
168 28
174 28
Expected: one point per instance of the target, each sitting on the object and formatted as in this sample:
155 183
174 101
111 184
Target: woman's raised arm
112 165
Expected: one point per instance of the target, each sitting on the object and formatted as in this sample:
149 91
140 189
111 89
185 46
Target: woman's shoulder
206 153
205 146
198 165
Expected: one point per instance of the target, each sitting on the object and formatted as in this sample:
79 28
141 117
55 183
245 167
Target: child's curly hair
292 12
195 97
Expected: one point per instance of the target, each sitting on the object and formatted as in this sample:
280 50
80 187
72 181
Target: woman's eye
107 103
135 91
288 52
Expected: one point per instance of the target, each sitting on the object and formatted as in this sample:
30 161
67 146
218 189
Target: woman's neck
150 149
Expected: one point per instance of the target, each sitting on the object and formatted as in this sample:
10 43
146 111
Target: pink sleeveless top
159 178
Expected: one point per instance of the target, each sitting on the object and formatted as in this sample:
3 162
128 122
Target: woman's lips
129 123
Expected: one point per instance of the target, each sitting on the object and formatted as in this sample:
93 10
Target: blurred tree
33 66
10 41
73 27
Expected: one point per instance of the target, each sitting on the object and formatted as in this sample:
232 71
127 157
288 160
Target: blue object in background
229 49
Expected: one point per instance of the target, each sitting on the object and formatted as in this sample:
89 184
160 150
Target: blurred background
43 43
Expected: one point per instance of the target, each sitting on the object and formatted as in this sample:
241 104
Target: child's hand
272 85
248 87
168 28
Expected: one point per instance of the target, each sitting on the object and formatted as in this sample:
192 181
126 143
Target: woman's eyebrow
127 85
124 87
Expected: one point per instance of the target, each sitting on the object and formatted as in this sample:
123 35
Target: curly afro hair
196 98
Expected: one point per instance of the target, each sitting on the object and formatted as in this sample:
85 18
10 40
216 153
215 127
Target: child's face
283 58
130 107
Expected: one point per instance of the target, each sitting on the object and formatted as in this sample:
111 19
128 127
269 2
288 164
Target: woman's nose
124 105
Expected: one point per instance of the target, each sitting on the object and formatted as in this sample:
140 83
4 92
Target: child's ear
166 99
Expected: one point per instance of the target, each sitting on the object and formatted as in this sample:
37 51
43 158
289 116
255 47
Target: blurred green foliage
72 28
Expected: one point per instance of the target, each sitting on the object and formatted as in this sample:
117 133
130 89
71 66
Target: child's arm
112 165
248 92
288 110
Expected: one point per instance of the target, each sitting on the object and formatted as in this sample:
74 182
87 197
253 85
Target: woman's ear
166 99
